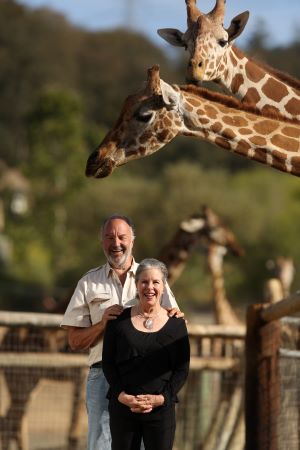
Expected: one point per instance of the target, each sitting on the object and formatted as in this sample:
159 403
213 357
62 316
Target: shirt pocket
98 302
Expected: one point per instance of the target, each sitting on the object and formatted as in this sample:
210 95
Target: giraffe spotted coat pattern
158 113
204 228
214 58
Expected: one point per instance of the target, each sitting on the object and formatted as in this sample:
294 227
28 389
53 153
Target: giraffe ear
172 36
169 95
237 25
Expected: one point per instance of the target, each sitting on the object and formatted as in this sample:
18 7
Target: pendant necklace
148 320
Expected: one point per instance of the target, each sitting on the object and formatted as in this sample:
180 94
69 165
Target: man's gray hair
121 217
151 263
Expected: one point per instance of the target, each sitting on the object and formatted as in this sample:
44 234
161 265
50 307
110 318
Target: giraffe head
284 270
148 121
206 39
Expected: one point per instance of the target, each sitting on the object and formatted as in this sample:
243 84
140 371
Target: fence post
252 356
262 384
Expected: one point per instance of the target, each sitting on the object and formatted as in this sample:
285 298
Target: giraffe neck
238 128
254 84
224 313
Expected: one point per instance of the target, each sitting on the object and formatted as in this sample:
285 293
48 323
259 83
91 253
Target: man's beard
118 262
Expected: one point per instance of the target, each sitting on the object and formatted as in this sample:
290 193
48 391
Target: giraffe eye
143 117
222 42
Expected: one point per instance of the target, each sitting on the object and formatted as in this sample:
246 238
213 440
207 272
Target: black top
139 362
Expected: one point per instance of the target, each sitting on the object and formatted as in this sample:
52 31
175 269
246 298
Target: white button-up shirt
97 290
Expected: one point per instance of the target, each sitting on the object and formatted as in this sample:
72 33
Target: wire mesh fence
210 414
41 385
42 388
289 374
44 421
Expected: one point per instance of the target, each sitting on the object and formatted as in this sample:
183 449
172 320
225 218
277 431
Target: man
100 296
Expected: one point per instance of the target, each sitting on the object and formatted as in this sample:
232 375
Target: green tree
56 171
36 48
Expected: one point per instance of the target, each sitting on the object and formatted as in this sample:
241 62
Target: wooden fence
266 345
33 348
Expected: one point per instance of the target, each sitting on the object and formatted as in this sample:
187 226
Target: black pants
157 428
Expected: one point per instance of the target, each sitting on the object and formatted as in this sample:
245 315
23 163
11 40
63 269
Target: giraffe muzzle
98 167
196 71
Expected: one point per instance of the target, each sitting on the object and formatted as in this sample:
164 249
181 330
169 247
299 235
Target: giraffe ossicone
159 112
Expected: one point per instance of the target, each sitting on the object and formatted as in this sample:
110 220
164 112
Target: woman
145 361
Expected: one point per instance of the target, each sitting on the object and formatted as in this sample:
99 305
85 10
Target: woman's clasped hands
143 403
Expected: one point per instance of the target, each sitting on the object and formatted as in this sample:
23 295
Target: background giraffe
207 229
279 286
159 112
214 58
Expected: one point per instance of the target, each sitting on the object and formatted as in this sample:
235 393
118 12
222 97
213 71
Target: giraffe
159 112
220 241
284 270
204 228
279 286
212 57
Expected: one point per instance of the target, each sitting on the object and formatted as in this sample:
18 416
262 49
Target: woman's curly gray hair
151 263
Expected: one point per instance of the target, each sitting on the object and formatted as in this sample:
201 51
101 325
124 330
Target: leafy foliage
61 88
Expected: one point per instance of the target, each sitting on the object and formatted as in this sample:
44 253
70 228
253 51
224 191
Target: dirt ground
49 414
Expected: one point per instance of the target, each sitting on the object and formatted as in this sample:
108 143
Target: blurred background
66 67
